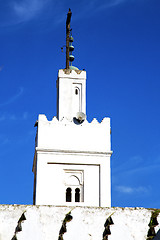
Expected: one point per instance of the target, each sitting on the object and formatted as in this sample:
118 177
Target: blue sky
118 43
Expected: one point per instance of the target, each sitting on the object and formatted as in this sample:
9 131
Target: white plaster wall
66 145
51 188
44 222
9 215
105 178
66 135
65 94
136 220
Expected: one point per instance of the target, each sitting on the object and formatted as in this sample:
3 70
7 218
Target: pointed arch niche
74 186
77 98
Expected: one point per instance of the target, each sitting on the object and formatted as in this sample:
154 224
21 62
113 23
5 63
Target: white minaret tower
72 156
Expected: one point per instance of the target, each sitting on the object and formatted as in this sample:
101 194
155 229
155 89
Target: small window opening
68 194
77 195
76 91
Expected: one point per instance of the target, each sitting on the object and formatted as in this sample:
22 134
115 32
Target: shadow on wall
19 226
63 229
157 237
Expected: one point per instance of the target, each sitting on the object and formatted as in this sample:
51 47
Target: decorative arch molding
74 185
73 181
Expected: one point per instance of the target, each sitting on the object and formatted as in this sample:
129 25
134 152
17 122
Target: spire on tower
68 21
69 40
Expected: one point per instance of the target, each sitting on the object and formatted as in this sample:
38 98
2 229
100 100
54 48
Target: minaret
72 156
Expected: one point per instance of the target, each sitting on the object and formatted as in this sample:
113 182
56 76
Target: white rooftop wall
45 222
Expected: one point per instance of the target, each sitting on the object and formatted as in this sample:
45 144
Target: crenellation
87 135
94 121
43 118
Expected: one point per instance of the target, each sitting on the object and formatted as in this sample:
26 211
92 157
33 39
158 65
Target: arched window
73 186
77 195
68 195
76 91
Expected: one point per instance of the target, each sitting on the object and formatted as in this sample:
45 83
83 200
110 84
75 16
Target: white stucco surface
69 103
72 156
63 146
44 222
66 135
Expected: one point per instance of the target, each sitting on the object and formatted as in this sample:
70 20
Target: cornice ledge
58 151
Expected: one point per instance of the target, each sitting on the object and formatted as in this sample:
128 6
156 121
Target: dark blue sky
118 43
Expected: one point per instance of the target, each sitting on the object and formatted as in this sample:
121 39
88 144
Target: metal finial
68 21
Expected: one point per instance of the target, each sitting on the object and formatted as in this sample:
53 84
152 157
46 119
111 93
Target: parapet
71 136
65 73
23 222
